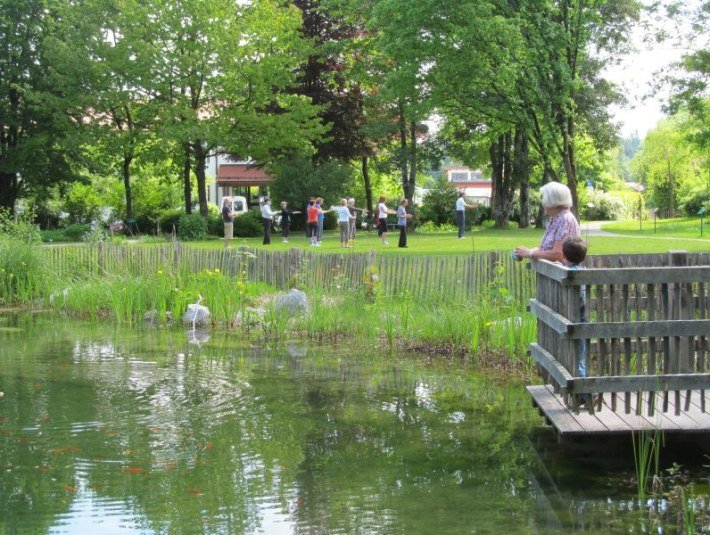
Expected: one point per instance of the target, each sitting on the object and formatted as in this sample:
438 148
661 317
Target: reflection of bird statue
194 319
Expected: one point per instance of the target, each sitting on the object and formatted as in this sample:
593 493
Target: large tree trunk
521 170
408 189
368 185
568 158
503 186
187 187
497 169
403 150
200 164
9 190
127 159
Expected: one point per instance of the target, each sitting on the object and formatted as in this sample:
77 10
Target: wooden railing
646 331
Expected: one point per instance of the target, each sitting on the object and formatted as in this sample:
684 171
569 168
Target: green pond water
136 430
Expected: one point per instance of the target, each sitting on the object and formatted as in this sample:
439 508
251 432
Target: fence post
100 256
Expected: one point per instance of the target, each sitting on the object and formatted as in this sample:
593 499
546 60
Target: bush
248 225
696 199
430 226
20 227
170 219
604 207
439 204
192 227
75 232
215 226
50 236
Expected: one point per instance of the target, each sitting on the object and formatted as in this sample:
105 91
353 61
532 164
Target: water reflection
112 431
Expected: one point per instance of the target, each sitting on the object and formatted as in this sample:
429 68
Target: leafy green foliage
192 227
298 179
439 204
670 167
248 225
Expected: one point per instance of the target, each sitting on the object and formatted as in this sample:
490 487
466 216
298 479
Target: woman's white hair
555 194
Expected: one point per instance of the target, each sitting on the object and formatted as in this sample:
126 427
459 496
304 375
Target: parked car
239 205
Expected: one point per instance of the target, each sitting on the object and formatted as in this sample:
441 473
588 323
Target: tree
669 167
220 71
36 135
324 79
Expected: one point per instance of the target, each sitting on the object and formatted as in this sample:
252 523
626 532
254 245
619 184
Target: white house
476 188
227 178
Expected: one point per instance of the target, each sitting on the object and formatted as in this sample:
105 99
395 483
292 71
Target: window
459 176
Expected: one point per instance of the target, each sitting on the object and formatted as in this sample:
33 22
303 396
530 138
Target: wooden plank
579 277
551 318
634 329
605 421
631 383
545 359
557 414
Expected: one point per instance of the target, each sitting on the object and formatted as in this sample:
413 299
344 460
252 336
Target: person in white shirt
382 212
461 206
343 222
267 217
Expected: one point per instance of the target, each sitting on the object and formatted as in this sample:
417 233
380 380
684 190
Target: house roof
242 174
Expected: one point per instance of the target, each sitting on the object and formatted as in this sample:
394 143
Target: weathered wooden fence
431 277
646 332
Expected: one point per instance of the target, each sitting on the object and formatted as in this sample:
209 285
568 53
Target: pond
118 430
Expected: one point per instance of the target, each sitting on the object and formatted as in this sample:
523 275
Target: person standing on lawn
461 206
382 212
228 220
402 217
286 215
267 218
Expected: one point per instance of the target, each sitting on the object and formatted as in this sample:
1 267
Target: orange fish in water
69 488
133 469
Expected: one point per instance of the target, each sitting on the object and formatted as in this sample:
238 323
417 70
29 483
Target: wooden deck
608 422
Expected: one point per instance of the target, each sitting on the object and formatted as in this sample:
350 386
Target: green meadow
679 234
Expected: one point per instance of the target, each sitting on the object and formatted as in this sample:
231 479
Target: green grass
482 240
661 228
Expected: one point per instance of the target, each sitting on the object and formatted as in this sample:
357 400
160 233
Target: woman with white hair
556 201
353 220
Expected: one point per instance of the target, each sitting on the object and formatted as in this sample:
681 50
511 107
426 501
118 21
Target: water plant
646 449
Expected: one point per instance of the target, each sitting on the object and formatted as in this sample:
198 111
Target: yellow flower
216 270
160 272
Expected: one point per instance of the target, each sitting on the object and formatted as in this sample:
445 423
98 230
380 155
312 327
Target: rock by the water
197 315
249 317
294 302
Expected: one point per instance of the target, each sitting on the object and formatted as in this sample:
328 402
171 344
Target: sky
635 75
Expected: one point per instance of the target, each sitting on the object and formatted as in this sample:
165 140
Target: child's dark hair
574 249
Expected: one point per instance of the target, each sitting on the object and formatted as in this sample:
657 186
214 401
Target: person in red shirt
312 221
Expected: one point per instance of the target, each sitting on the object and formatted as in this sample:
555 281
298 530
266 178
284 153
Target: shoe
285 241
385 243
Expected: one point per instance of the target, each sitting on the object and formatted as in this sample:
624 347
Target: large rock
294 302
197 315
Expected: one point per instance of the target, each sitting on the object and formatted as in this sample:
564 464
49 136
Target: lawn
479 240
677 228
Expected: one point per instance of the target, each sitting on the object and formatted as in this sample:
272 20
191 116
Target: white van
239 205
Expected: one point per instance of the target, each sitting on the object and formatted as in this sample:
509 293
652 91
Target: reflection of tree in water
390 465
229 440
174 440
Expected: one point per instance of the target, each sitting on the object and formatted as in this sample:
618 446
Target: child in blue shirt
574 251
